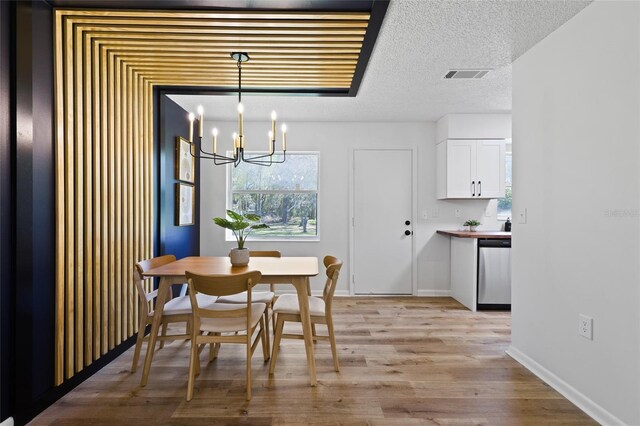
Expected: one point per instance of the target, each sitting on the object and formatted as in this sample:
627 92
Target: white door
383 205
461 169
490 168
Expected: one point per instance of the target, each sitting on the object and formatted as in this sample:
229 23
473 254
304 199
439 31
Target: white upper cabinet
471 169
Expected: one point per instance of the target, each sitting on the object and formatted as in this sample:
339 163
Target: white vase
473 228
239 257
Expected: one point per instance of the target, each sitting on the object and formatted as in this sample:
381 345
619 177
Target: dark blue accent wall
181 241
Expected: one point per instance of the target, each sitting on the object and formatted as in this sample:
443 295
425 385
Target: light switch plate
425 215
458 212
522 216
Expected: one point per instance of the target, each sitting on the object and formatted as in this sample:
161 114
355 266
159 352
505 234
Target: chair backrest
332 265
139 278
222 285
264 253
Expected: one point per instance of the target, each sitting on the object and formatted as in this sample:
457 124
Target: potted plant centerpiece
241 225
472 224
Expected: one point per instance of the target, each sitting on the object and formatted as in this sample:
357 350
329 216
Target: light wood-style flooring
404 361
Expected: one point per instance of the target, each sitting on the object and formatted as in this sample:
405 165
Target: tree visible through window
284 195
504 204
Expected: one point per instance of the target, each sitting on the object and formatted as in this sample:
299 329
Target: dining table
275 270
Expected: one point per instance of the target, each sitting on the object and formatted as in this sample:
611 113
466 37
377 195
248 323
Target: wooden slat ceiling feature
289 50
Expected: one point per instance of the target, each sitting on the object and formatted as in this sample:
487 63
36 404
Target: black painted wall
181 241
34 204
6 220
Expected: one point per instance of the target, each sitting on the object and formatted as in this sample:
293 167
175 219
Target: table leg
165 284
303 301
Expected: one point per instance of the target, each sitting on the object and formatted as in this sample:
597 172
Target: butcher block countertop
497 235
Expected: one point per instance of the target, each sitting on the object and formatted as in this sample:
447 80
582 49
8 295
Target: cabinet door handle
473 188
479 188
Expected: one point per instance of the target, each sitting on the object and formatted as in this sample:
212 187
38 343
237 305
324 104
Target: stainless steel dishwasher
494 274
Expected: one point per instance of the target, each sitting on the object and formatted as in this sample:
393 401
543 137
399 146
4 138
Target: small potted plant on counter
241 225
472 224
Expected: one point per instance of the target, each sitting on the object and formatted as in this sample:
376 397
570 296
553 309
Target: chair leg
164 333
264 340
276 344
266 336
332 340
273 317
136 351
249 367
192 368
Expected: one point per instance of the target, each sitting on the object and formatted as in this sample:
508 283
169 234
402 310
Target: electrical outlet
522 216
425 215
458 212
585 326
435 213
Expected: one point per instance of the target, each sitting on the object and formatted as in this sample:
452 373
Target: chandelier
238 137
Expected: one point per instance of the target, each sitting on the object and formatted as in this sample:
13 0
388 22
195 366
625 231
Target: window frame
229 199
499 216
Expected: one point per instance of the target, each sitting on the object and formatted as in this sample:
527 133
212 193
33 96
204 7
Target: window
284 195
504 204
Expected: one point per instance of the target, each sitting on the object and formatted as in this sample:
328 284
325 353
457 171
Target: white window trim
504 217
316 238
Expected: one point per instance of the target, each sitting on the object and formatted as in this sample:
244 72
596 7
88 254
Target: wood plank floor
404 361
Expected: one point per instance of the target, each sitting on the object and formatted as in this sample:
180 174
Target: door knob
407 232
407 222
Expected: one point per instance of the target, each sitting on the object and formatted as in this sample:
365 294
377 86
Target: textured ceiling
419 41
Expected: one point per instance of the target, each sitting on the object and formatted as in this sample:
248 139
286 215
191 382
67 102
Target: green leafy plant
472 222
240 224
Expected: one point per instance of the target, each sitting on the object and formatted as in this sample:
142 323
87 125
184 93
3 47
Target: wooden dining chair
210 321
287 308
175 310
266 297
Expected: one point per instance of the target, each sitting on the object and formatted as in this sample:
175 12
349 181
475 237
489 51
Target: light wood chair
267 297
175 310
287 308
214 319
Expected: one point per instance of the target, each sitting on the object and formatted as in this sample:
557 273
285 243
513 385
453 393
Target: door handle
473 190
479 188
407 232
407 222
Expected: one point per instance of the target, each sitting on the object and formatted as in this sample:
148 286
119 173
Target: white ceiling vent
466 74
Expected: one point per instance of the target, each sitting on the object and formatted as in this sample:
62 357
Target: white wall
336 142
576 115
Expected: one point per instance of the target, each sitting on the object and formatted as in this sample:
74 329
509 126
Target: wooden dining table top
268 266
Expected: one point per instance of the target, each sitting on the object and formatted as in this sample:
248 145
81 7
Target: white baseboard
433 293
595 411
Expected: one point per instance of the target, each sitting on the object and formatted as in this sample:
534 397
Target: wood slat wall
106 65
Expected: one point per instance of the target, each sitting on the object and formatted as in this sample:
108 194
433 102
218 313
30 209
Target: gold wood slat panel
106 65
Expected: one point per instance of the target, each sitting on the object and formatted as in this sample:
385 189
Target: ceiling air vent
466 74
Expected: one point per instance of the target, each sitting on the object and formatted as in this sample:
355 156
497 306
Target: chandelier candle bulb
271 144
215 139
200 120
191 119
235 141
273 124
284 137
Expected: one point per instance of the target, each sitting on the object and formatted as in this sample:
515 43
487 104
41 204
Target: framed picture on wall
185 163
185 204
